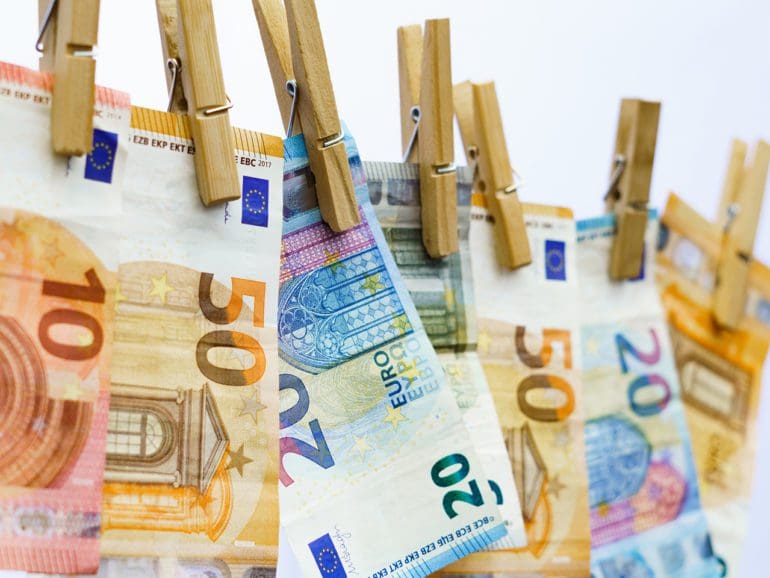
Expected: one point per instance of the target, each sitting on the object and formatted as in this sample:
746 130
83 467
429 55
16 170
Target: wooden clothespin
68 33
741 205
481 128
295 52
430 85
190 48
629 190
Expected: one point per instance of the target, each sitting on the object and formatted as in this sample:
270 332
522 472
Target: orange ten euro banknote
58 262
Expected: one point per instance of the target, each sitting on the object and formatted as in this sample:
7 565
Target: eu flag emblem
555 263
326 557
101 160
254 200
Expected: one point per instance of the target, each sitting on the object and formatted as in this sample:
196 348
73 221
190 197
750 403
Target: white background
561 68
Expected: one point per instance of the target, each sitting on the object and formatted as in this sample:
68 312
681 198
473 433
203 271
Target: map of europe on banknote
720 371
58 264
646 517
378 475
529 344
191 482
442 290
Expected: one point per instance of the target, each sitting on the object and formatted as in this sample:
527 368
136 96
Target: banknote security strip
720 371
58 269
442 290
192 448
646 516
378 475
529 354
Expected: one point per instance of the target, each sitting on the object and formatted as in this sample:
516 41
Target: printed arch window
138 435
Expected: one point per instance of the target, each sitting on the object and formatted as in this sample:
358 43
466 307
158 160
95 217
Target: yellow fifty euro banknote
720 371
529 348
192 435
58 263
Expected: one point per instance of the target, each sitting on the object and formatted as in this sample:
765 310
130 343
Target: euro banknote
720 371
529 344
442 290
191 483
646 517
58 265
378 475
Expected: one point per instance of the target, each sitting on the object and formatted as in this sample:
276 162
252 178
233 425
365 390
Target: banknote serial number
438 543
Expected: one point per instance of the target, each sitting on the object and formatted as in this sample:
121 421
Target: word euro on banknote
442 290
528 343
720 371
646 518
58 264
378 474
191 483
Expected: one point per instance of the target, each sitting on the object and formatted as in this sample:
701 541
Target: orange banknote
529 344
58 258
191 482
720 370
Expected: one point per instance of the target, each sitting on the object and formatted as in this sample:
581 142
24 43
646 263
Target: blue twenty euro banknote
646 516
378 474
443 294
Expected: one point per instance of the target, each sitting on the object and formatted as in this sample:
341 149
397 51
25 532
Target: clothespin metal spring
39 45
415 114
175 66
293 90
617 174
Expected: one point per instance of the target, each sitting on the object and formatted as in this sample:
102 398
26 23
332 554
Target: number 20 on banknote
644 382
320 454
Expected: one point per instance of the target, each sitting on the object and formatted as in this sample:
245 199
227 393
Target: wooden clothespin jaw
741 203
68 34
629 190
481 128
295 52
425 74
190 47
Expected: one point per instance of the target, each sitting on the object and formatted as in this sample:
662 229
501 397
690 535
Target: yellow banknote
720 371
529 348
192 436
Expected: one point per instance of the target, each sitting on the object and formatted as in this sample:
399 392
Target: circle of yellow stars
556 264
92 157
327 551
260 196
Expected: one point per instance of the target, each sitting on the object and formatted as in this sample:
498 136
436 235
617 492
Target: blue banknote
377 475
646 515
